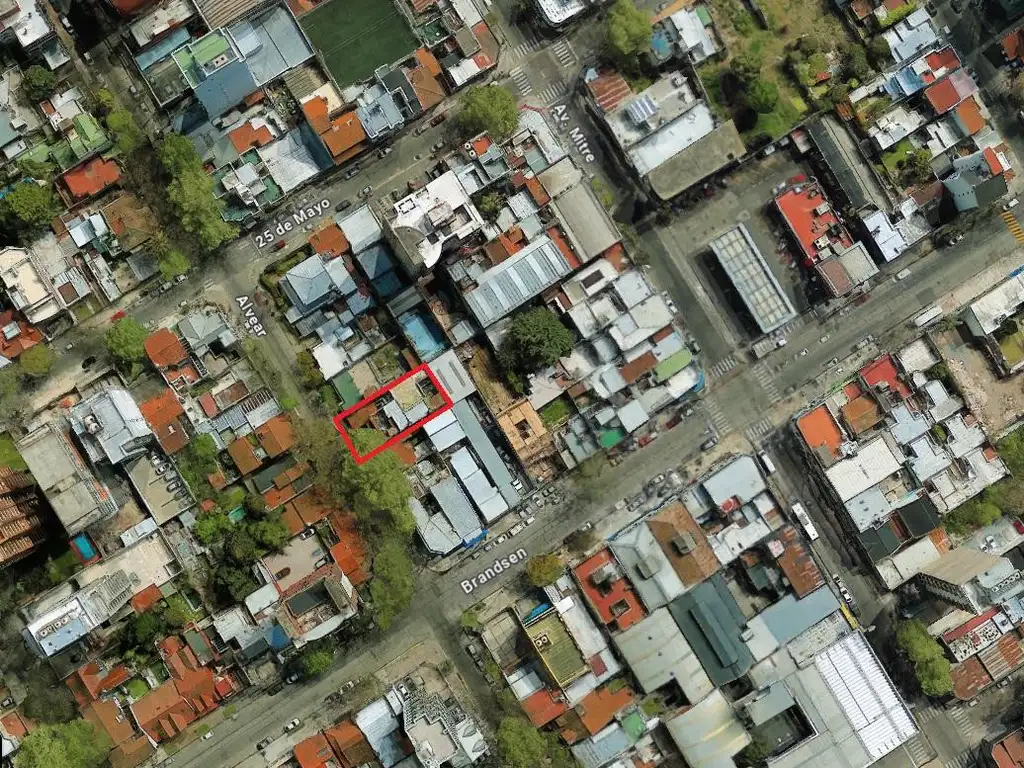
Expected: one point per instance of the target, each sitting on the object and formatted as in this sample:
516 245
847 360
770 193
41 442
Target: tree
145 629
520 745
856 63
234 583
931 667
178 613
542 570
39 82
212 527
191 192
173 264
270 533
126 340
488 109
879 53
377 491
308 371
78 744
536 339
36 361
316 662
255 505
392 586
754 754
28 207
105 102
13 401
976 513
627 32
490 205
48 700
746 67
763 96
581 541
1011 450
242 546
127 134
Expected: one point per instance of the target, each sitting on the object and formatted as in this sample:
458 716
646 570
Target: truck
763 346
928 316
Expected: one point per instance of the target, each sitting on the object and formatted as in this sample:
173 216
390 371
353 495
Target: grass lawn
137 688
894 155
9 456
357 36
555 413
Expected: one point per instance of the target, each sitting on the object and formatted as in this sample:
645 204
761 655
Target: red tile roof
107 717
969 626
147 598
542 707
92 178
633 370
942 96
131 7
609 91
612 598
1013 45
428 61
247 136
244 456
1009 751
329 240
163 414
673 521
969 677
315 110
344 137
89 681
27 336
131 753
883 370
276 436
946 59
799 206
995 166
208 404
314 752
599 707
163 713
796 563
970 115
164 348
349 744
350 552
820 431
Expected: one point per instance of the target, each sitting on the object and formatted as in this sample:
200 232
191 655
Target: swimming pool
84 548
423 333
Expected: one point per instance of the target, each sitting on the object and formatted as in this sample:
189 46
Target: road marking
564 53
758 429
962 760
927 715
1013 226
500 565
964 723
522 50
722 367
718 418
551 94
521 81
767 381
918 752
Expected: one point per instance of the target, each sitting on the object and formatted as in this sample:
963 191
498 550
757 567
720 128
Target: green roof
634 725
346 389
609 438
704 15
559 653
670 366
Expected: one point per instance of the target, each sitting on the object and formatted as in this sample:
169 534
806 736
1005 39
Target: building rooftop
907 38
439 213
163 415
764 298
608 591
657 652
645 564
683 542
812 221
110 426
873 463
708 734
556 649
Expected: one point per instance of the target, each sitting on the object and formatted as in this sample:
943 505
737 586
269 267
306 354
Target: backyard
357 36
750 46
9 456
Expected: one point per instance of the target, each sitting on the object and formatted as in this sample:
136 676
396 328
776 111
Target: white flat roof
872 463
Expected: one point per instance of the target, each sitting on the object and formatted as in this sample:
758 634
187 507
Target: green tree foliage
973 514
490 205
78 744
930 663
542 570
28 207
1011 449
307 370
36 361
126 340
377 491
191 192
212 527
747 66
581 541
48 700
879 53
536 338
234 582
855 63
105 102
316 662
39 83
270 533
753 755
177 612
392 586
488 109
255 505
520 745
127 135
13 400
173 264
627 32
763 96
145 629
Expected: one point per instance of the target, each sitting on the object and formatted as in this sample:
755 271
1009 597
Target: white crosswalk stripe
718 418
918 752
793 325
962 760
550 94
722 367
522 50
758 429
564 53
767 381
927 715
963 721
522 81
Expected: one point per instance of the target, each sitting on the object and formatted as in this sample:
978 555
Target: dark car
343 205
280 245
708 444
438 119
88 362
264 744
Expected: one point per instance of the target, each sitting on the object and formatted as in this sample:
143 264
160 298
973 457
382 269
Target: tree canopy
316 662
488 108
36 361
931 666
126 340
127 135
39 82
392 586
520 744
542 570
628 32
377 491
191 192
105 102
13 401
762 96
173 264
28 207
78 744
536 338
48 700
747 67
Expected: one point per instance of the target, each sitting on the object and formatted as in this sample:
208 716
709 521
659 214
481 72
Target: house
342 136
206 332
163 413
313 283
110 427
22 517
89 180
977 180
73 618
28 286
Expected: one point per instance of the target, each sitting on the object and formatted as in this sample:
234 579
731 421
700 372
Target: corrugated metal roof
708 734
765 299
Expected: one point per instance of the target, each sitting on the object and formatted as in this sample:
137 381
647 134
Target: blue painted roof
163 49
225 88
376 260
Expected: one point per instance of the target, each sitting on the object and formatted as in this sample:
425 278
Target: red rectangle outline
360 458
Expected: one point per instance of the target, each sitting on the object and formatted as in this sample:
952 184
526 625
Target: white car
208 735
516 529
1011 204
292 725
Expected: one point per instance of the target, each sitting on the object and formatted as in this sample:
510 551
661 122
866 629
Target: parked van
934 313
805 521
766 462
903 274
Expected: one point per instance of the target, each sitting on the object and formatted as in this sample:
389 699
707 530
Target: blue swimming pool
423 333
84 546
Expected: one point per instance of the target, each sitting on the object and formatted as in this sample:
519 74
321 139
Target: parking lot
682 262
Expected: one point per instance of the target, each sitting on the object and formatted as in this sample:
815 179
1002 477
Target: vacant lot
357 36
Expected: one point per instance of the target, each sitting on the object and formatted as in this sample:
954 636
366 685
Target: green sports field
357 36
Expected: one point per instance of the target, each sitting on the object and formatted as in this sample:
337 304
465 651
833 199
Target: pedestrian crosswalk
964 759
718 418
564 53
927 715
792 326
722 367
764 377
918 752
549 95
1013 226
968 730
758 429
522 50
521 81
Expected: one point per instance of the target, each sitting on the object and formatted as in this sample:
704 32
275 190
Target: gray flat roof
764 298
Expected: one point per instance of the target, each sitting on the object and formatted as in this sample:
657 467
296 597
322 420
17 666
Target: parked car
292 725
208 735
708 444
385 151
7 703
88 362
501 539
490 545
422 129
516 529
280 245
292 678
343 205
351 174
261 745
438 119
437 146
366 191
1011 204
